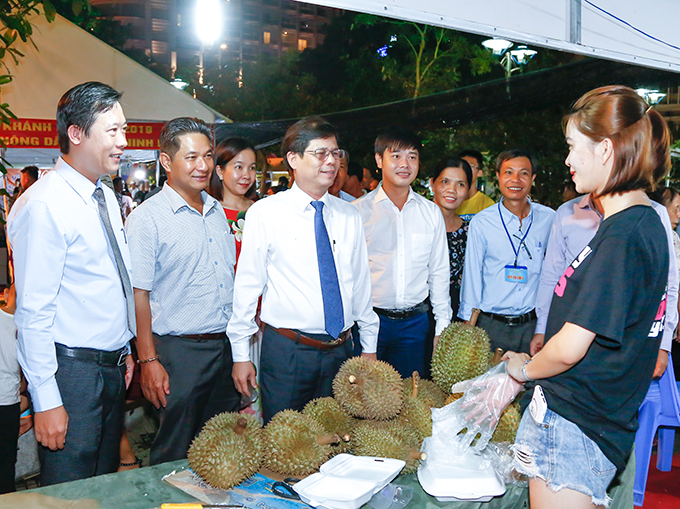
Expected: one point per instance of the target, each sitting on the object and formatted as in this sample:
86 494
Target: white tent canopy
638 33
66 55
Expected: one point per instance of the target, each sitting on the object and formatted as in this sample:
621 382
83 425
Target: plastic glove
479 410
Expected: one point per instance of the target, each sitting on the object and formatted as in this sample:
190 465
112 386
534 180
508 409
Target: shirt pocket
421 247
343 261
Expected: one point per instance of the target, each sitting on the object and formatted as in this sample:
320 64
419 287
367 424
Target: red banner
33 133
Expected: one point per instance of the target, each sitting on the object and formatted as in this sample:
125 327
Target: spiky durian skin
428 391
387 439
224 458
506 431
462 353
417 414
228 420
376 394
334 420
290 444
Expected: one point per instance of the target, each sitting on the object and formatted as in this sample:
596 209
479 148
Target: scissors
285 488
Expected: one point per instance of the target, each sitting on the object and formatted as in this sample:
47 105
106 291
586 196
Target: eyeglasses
322 153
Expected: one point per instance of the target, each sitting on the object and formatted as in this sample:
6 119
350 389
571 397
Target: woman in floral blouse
234 175
450 185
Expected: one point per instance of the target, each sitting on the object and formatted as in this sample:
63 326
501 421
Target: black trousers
516 338
292 374
93 396
200 387
9 435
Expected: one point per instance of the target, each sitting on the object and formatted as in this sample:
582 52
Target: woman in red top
234 175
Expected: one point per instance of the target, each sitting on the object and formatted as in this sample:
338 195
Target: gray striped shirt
186 260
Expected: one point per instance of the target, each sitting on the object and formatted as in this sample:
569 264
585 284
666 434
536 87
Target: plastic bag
503 459
469 422
392 496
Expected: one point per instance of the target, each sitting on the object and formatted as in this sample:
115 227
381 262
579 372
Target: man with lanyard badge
504 255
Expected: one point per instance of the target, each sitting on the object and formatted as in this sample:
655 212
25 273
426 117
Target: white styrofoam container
347 481
449 483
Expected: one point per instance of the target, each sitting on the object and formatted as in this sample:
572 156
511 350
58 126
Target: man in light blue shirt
504 255
70 264
183 256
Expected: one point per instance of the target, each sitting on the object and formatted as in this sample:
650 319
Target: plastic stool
660 410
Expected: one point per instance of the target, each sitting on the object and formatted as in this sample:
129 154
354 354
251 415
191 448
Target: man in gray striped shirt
183 257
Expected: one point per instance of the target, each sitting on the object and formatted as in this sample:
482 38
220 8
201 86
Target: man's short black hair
476 154
171 132
301 133
355 170
32 172
512 154
117 180
397 138
80 106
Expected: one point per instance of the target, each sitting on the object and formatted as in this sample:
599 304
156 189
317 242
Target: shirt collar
381 195
78 182
177 202
507 215
301 199
586 203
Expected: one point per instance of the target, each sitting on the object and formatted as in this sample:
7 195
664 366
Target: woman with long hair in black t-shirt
606 317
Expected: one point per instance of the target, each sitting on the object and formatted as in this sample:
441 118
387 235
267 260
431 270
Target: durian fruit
462 353
428 391
417 414
368 389
388 439
296 444
334 420
228 450
416 411
508 424
453 397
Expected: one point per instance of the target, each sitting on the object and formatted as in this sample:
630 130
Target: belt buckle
121 359
513 320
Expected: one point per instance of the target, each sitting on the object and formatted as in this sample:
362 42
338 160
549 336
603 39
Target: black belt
207 335
402 314
101 357
512 320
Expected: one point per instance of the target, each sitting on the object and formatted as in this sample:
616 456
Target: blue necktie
330 288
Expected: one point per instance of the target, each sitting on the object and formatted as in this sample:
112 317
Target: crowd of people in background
212 289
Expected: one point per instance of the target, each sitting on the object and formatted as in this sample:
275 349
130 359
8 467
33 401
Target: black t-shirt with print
616 289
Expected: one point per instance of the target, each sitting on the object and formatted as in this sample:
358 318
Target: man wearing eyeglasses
304 252
476 200
504 255
408 253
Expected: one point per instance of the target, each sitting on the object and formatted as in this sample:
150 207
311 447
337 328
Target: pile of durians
373 413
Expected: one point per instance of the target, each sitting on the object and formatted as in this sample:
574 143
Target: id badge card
538 406
515 274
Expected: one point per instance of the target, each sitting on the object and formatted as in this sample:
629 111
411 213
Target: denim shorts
558 452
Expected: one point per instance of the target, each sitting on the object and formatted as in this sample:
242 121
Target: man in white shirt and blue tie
408 255
75 309
304 252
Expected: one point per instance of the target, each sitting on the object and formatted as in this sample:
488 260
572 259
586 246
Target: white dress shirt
487 253
278 261
408 253
67 282
574 226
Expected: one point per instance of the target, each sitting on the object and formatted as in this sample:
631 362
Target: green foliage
426 59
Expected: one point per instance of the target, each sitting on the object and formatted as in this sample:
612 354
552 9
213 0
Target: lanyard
516 251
